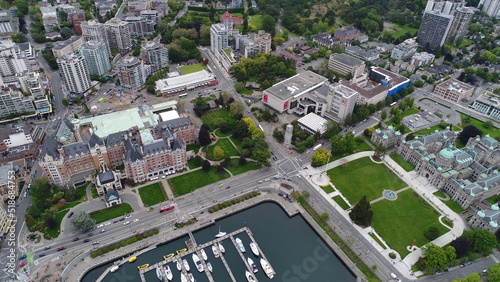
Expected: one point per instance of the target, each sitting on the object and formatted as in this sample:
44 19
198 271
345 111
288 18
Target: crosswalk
494 258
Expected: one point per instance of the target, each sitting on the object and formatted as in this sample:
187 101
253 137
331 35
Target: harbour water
293 249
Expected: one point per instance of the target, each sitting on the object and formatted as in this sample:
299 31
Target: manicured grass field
493 199
391 220
399 30
256 21
215 118
110 213
404 164
151 194
453 206
224 144
433 129
341 202
194 147
439 194
191 68
493 132
410 111
236 142
59 216
70 205
361 146
328 188
192 164
235 168
186 183
218 133
364 177
377 240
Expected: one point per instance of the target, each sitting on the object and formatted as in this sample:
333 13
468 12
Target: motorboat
181 251
254 248
183 278
197 263
267 268
215 250
168 273
203 255
159 274
220 234
221 248
179 266
186 264
249 276
252 265
209 266
132 259
144 266
114 268
191 277
240 245
168 256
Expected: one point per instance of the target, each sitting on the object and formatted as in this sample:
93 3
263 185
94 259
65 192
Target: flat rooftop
295 85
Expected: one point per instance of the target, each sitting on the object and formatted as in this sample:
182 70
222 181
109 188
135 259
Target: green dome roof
447 153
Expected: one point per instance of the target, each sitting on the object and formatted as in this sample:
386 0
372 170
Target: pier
261 253
193 247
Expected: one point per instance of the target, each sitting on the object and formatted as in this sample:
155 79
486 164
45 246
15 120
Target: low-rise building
488 104
312 123
422 59
344 64
347 33
453 90
185 83
66 47
405 49
421 121
363 53
388 137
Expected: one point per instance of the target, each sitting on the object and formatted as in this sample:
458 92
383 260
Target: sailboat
221 248
186 264
240 245
203 255
220 234
209 266
253 247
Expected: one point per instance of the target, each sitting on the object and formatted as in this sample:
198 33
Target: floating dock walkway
193 247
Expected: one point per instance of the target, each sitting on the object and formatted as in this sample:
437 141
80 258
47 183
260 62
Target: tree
243 160
51 223
220 169
239 87
331 128
493 273
419 83
361 213
218 153
269 24
431 233
461 245
305 194
66 32
468 132
473 277
82 221
206 166
482 241
325 216
204 137
319 157
200 103
450 253
435 258
380 151
383 114
278 134
19 37
236 108
488 124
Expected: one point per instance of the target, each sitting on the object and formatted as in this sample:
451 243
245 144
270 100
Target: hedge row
182 224
124 242
233 202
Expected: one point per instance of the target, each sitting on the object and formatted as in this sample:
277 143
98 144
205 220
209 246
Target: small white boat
203 255
249 276
215 251
179 266
168 272
191 277
209 266
197 263
254 248
159 274
252 265
220 234
186 264
221 248
267 268
114 268
183 278
240 245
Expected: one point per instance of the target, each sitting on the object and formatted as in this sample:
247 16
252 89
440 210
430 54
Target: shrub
392 255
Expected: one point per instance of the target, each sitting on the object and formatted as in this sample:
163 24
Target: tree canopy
82 221
319 157
468 132
435 258
361 213
461 245
482 241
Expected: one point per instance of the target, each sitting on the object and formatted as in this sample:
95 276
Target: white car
100 226
128 216
136 220
126 222
107 223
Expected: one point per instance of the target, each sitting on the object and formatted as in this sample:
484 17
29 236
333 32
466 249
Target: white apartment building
118 33
219 36
74 73
96 57
131 72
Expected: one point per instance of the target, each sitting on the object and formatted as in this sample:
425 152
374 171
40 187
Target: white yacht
168 272
197 263
220 234
254 248
215 250
209 266
252 265
249 276
221 248
159 274
203 255
191 277
183 278
186 265
114 268
267 268
240 245
179 266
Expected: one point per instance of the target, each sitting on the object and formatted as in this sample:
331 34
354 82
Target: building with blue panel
386 78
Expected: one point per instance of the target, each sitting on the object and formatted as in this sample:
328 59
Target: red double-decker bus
167 208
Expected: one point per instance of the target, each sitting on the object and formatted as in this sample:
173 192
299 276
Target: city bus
392 104
183 95
167 208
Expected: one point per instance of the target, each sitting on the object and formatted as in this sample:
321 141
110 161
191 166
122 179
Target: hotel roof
296 84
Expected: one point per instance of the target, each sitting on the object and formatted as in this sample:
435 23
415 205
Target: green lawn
453 206
465 42
191 68
110 213
59 216
219 133
226 146
341 202
439 194
399 30
193 147
410 111
186 183
404 164
328 188
93 190
70 205
433 129
361 146
236 142
493 132
391 218
215 118
364 177
377 240
493 199
192 163
152 194
235 168
256 21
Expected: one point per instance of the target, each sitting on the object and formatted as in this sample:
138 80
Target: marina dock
193 247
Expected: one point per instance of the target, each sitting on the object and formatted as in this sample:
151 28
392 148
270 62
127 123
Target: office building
405 49
71 45
131 72
490 7
460 25
344 64
219 38
453 90
446 7
74 73
263 40
155 54
488 104
434 29
118 33
140 26
93 30
96 56
342 102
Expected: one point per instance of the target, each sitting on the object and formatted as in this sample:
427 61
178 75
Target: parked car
462 265
22 257
102 231
42 255
86 240
150 209
61 248
76 239
22 264
47 248
126 222
136 220
128 216
469 263
70 214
